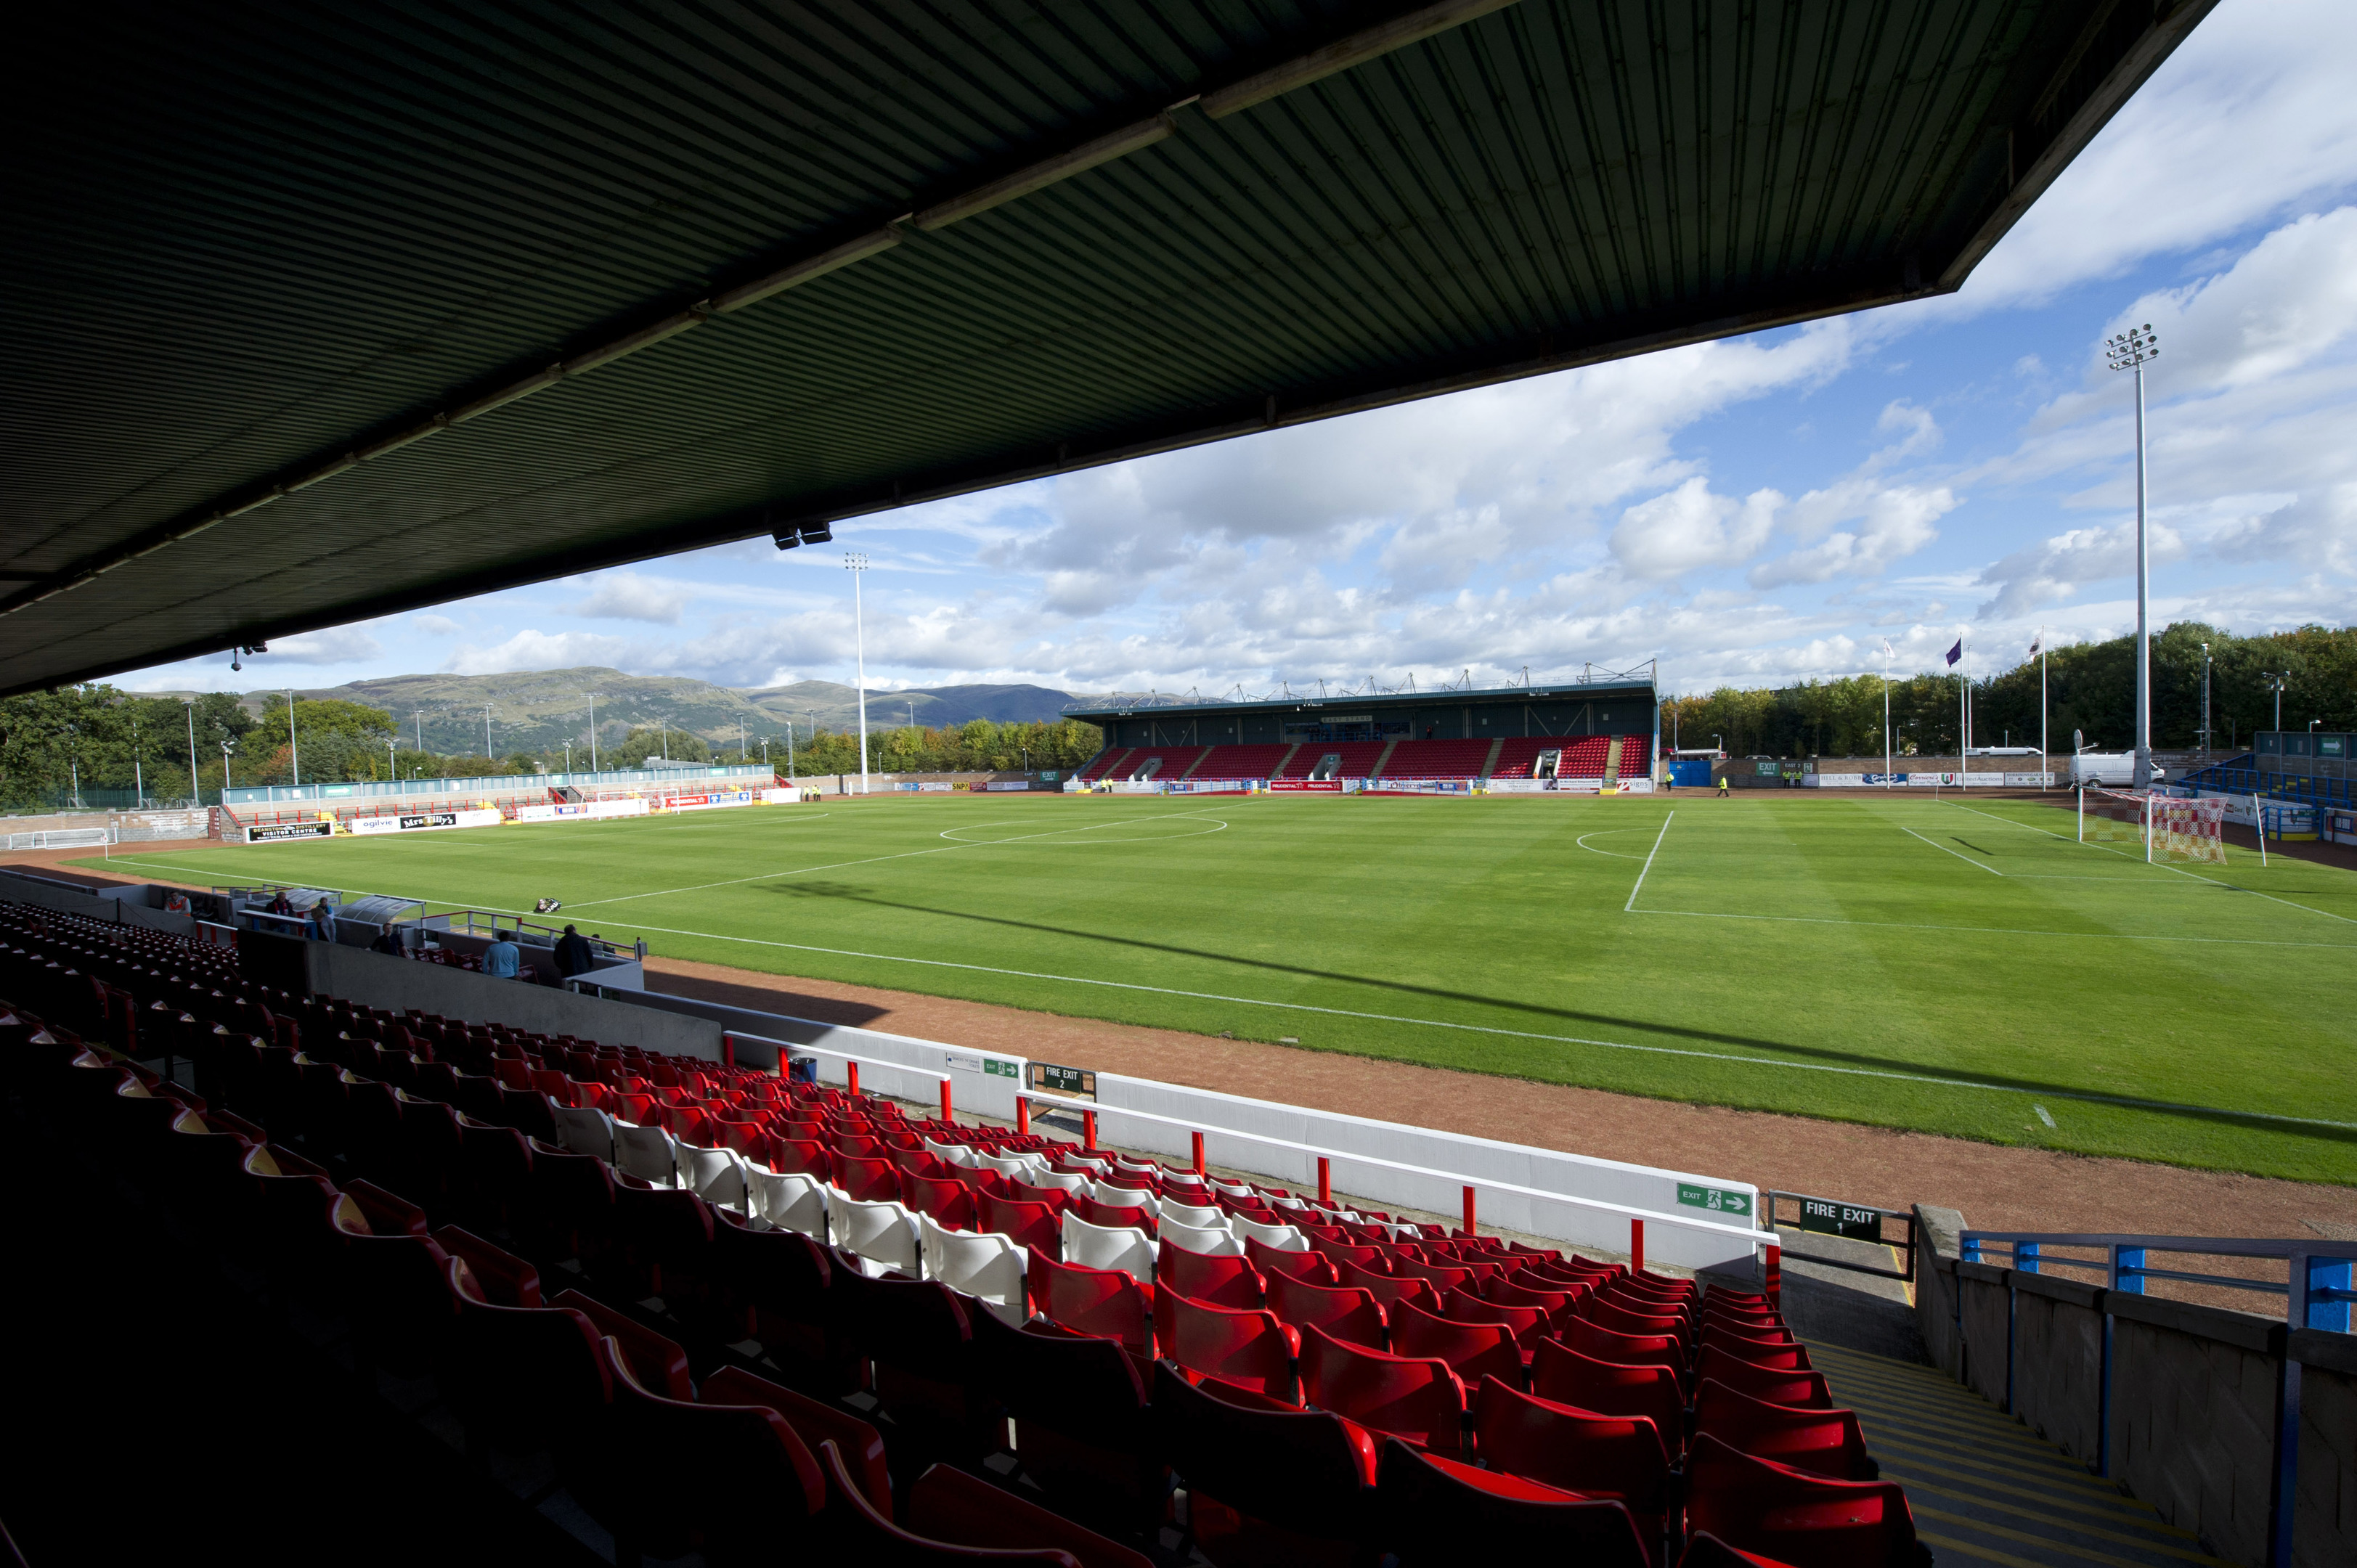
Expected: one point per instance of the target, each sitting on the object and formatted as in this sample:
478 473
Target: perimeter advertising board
279 832
425 822
583 811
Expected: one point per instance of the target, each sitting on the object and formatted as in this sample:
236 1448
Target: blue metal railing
2316 1291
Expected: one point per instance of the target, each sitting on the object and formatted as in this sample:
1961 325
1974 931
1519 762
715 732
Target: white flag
2035 642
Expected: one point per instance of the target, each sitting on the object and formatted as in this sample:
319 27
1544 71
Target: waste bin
802 1069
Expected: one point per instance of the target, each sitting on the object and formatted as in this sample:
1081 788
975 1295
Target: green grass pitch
1909 963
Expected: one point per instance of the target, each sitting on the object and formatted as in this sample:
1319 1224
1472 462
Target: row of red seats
653 1240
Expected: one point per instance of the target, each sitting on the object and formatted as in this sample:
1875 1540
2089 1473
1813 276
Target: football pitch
1961 969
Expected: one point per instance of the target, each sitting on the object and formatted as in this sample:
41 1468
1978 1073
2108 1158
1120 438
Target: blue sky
1750 512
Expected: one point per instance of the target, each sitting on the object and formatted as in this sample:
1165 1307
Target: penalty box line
2133 1104
2158 866
2000 930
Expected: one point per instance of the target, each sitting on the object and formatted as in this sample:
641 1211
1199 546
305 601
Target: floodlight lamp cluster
2126 351
235 658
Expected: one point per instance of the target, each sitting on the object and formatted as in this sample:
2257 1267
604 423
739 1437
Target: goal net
2176 830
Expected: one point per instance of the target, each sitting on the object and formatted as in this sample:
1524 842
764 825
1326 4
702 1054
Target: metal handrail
2318 1296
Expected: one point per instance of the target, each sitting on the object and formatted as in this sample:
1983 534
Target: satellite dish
2078 740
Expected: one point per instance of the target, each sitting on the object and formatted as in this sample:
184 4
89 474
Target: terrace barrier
2237 1426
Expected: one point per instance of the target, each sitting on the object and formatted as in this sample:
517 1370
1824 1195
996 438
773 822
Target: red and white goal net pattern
2179 829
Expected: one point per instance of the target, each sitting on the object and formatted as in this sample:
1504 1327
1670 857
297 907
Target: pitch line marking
840 865
1943 849
2178 870
1658 837
2128 1103
2002 930
1582 842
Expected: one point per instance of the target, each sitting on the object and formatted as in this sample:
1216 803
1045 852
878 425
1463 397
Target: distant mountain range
539 709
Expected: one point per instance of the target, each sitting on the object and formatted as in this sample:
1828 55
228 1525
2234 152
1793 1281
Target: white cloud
1689 528
2056 568
435 626
540 651
2250 118
1894 521
2283 305
337 645
627 595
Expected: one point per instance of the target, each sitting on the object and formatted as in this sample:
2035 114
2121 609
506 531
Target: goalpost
2168 828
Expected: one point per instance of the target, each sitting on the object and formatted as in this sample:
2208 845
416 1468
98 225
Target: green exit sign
999 1067
1716 1199
1826 1218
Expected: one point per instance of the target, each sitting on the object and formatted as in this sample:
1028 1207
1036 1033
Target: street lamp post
855 562
2205 699
293 747
591 698
486 731
226 747
2276 680
196 791
2129 351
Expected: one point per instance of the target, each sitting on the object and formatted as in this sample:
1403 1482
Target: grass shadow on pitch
843 892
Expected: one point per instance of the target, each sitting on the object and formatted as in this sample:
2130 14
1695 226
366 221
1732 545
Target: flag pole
2045 769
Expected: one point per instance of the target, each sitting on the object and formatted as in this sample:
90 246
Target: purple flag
1957 652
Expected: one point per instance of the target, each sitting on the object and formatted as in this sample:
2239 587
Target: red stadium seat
1214 1282
1386 1288
1105 1302
658 1362
1563 1375
1310 1267
814 1421
1030 1224
1772 1385
860 1533
950 1203
950 1505
867 1179
1625 1350
730 1478
1080 1421
1249 1349
1346 1312
1416 1397
1707 1550
1513 1292
1112 1215
1265 1483
1473 1350
1605 1312
798 1157
1438 1511
1756 1504
1765 1347
1529 1324
1622 1457
1823 1442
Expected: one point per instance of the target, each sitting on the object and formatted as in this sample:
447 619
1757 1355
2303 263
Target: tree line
114 748
2090 687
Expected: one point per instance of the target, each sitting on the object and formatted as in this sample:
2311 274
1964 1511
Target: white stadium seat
1210 1243
1108 1247
983 1265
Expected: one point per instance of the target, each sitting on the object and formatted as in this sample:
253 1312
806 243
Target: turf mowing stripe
1658 837
2123 1101
873 859
1943 849
1998 930
2128 1103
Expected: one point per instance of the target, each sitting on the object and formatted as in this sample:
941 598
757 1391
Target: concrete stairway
1983 1487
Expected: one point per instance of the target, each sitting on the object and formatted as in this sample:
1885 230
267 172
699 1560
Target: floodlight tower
2128 351
2276 680
855 562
